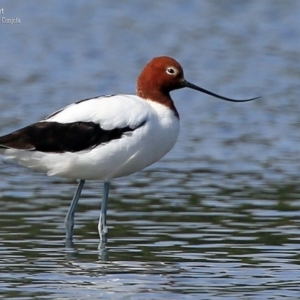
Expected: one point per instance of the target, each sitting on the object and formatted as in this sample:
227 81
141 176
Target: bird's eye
171 71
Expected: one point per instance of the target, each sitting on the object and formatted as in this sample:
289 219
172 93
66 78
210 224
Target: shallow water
218 217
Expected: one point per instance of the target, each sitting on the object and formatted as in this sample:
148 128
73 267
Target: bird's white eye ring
171 71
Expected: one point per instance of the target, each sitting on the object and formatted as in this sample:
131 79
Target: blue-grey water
219 216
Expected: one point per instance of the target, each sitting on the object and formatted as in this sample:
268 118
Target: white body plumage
156 132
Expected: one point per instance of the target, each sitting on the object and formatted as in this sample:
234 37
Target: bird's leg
102 229
69 220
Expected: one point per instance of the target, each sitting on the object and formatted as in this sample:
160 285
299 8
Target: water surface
218 217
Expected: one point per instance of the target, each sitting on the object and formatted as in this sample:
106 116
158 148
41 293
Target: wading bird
106 137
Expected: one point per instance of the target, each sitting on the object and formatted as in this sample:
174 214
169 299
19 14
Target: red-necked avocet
106 137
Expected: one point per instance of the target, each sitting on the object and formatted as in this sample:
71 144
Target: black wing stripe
62 137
